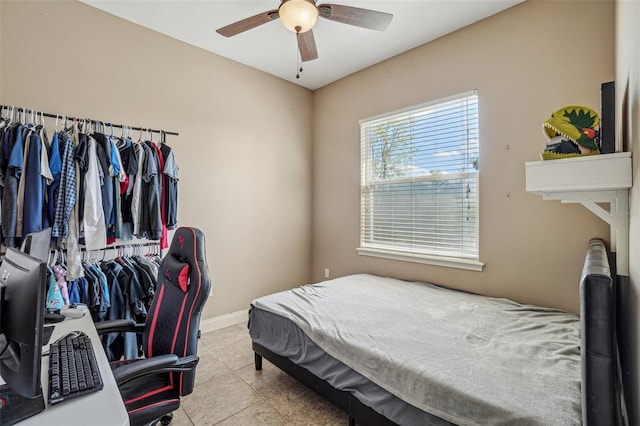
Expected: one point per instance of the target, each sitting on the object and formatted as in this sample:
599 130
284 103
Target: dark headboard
601 388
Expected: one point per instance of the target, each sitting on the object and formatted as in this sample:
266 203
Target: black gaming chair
151 386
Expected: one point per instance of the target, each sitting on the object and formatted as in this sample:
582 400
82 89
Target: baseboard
226 320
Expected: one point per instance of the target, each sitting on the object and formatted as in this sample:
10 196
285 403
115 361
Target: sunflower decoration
573 131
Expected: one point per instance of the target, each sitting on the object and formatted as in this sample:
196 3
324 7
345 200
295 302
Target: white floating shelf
590 181
593 172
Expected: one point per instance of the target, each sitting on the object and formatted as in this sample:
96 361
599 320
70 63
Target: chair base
166 419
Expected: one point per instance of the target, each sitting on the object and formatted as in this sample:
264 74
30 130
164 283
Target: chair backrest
182 288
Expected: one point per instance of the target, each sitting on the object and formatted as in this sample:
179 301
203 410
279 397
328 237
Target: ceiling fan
299 16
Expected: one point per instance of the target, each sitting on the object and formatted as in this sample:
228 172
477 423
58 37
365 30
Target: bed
389 351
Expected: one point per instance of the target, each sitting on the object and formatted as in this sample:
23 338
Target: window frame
387 251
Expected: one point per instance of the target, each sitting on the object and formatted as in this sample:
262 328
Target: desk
104 407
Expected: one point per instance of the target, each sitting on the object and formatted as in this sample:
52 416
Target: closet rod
141 244
115 249
119 126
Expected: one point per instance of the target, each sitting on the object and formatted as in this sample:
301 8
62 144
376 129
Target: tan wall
244 178
628 134
525 62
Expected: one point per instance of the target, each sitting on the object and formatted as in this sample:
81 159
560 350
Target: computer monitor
37 244
22 308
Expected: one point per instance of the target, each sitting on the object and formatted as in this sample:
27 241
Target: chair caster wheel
165 420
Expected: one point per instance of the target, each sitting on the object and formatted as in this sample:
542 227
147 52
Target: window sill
449 262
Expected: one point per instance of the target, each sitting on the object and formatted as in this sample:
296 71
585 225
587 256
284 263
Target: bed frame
357 411
602 399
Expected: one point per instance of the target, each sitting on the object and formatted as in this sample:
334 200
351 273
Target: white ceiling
342 49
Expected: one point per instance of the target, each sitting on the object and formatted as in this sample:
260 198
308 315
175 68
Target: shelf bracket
617 216
592 181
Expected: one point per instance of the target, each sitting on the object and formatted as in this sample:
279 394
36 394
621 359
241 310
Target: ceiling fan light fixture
298 16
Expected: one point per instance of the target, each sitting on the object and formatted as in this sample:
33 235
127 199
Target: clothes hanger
43 123
52 258
3 121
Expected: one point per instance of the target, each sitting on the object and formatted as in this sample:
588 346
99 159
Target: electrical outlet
326 273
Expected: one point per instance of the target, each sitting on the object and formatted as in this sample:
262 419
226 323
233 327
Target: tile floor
230 392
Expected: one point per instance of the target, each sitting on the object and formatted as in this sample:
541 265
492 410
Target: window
419 188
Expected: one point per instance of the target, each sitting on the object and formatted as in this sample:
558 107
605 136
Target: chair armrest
154 365
119 325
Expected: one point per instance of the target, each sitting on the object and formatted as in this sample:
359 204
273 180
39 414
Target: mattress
283 337
459 357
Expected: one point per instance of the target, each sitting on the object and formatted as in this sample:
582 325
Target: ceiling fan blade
364 18
307 46
248 23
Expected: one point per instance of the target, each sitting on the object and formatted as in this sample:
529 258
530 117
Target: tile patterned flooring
230 392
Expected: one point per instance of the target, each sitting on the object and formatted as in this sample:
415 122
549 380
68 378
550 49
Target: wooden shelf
591 181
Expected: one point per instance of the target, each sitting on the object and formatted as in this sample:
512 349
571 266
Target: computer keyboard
73 370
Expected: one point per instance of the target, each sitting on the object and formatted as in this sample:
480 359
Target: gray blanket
468 359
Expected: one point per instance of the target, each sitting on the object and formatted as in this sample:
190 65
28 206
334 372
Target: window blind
419 186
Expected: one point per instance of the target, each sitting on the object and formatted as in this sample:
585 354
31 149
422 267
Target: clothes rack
125 249
84 169
120 287
21 110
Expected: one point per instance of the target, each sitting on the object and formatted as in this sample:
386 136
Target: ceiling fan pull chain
298 65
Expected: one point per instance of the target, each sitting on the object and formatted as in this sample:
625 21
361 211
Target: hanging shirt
8 138
55 165
80 156
74 260
103 289
170 186
45 167
103 150
116 168
60 274
54 298
136 211
150 222
37 176
20 198
95 233
130 167
10 193
33 184
118 174
65 196
164 240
